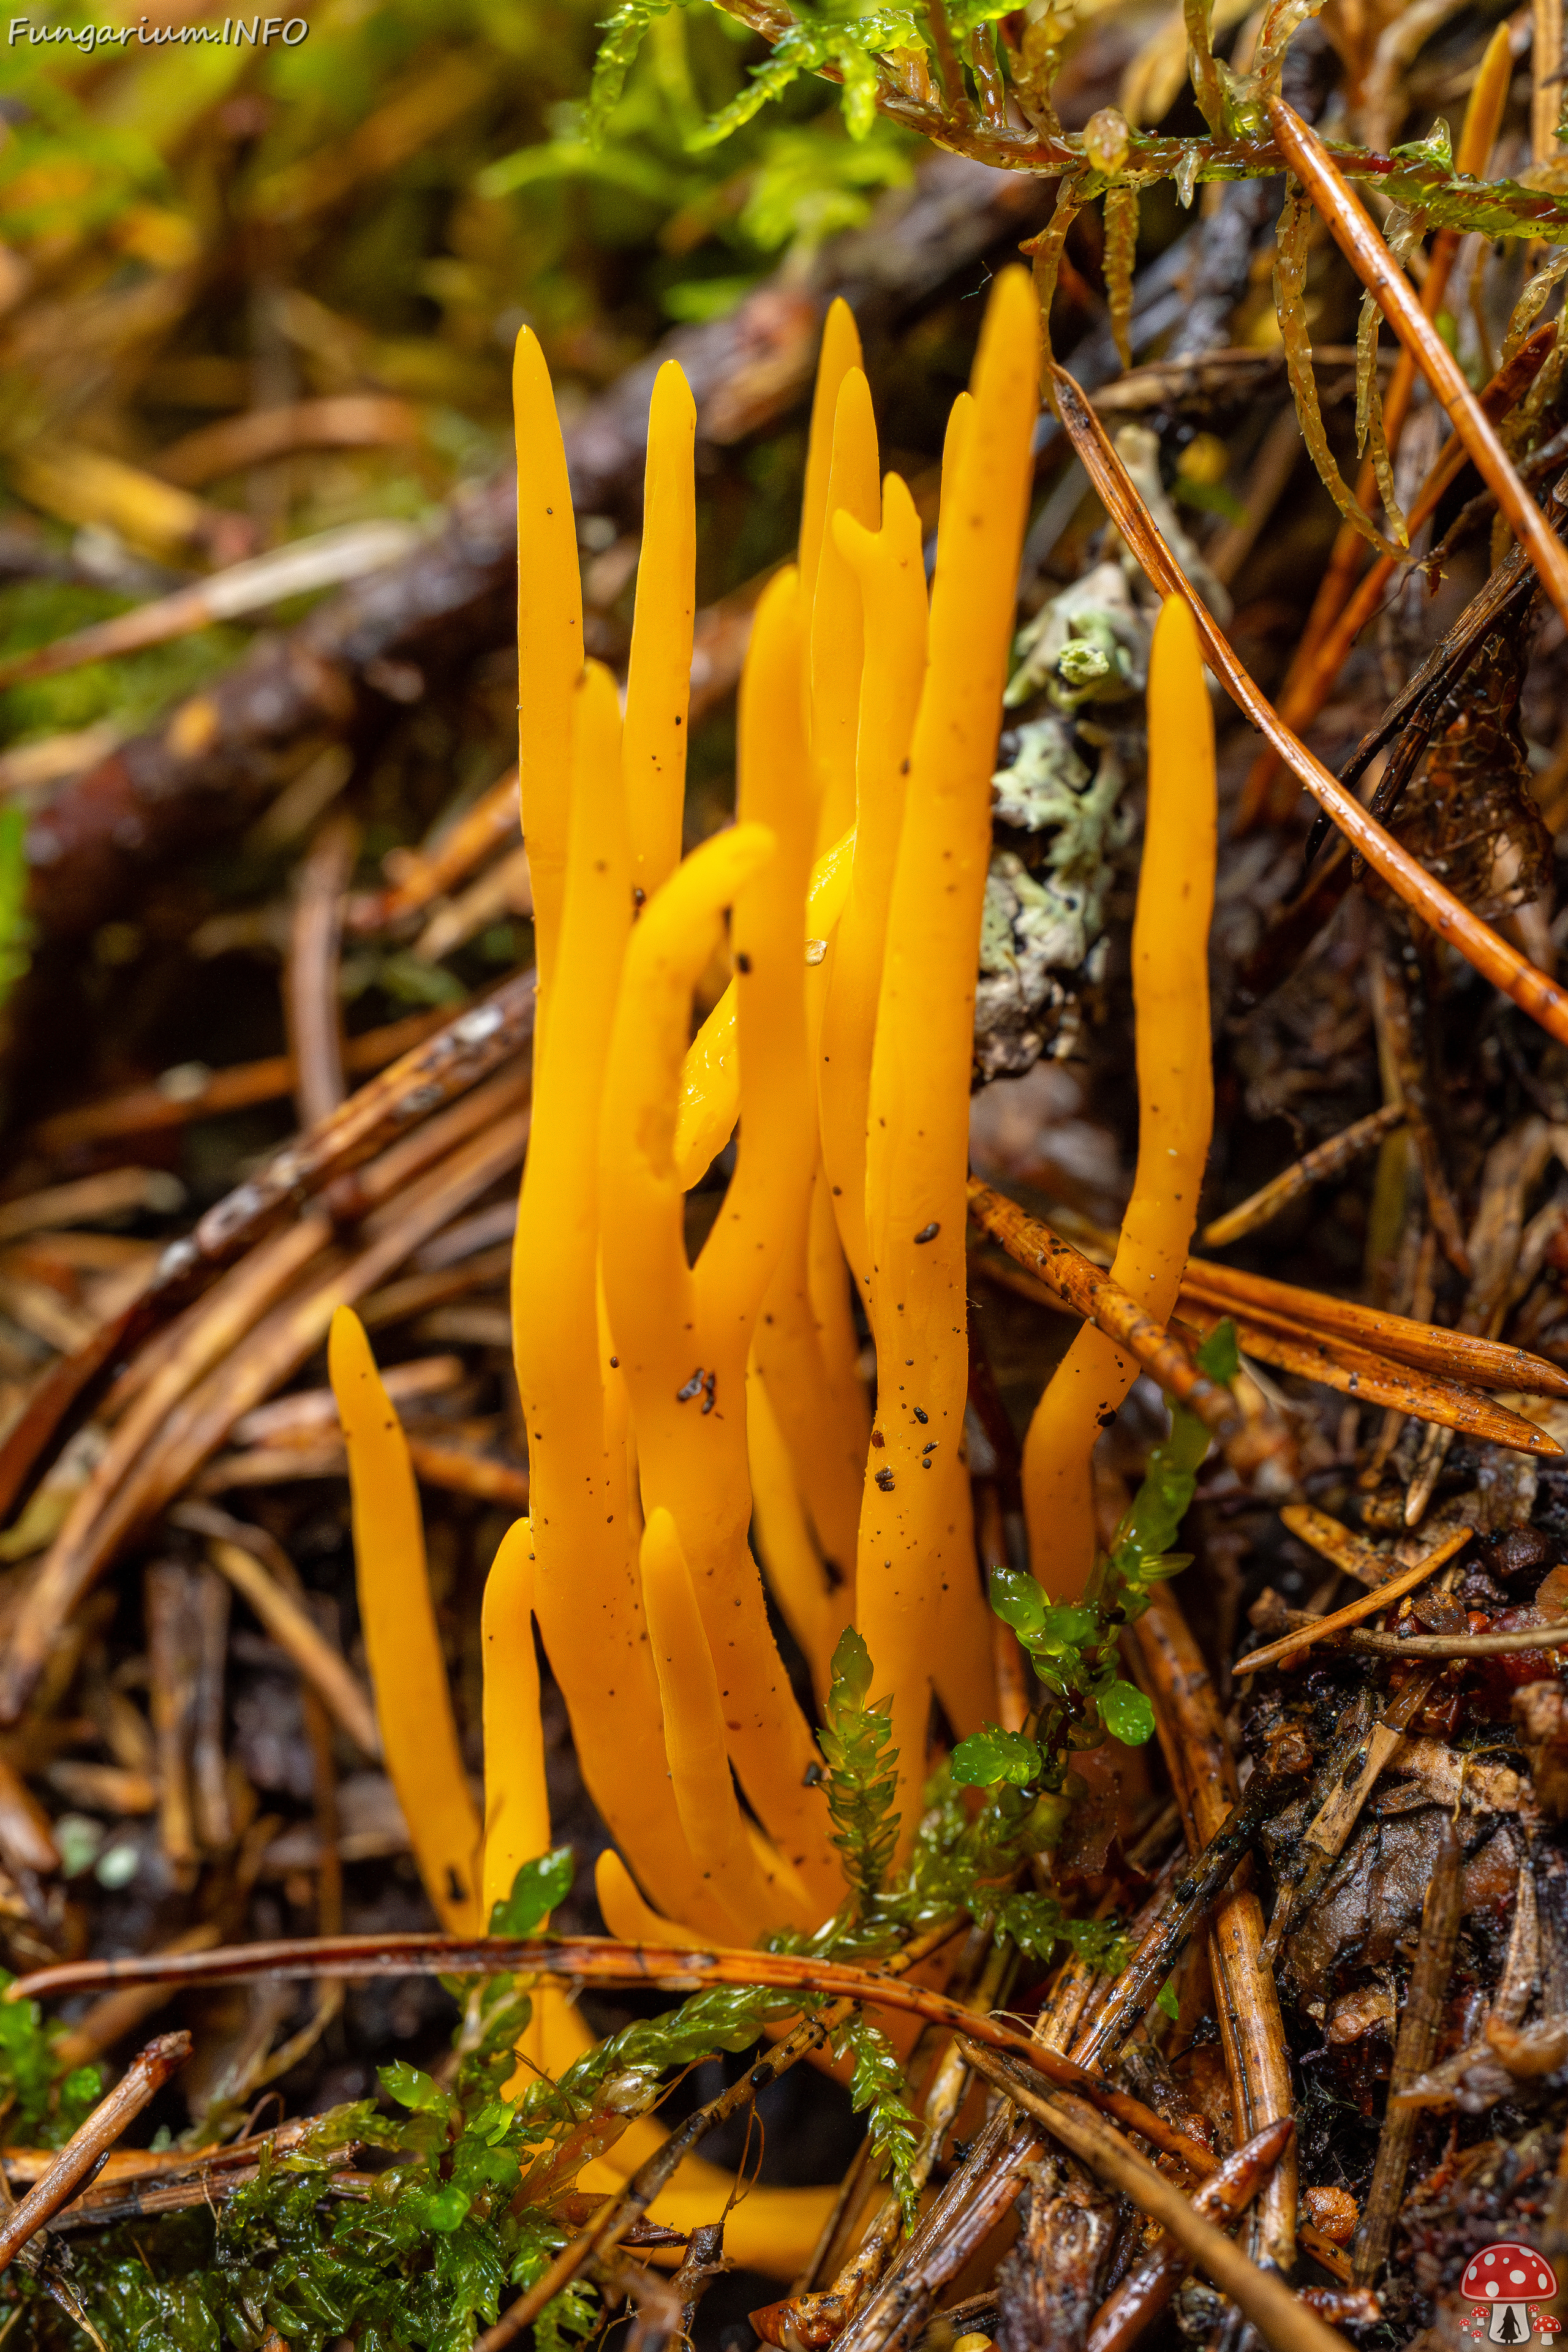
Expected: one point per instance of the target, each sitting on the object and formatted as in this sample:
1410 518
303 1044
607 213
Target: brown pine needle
1329 633
1133 1993
1425 1346
600 1959
1325 662
1366 1604
1339 1363
1093 1295
465 1050
1386 282
142 2079
1284 2322
1327 1834
198 1426
1325 1160
1197 1748
294 1631
1492 957
1348 1551
325 559
142 1110
1133 2305
424 875
1287 1344
454 1468
1507 1644
1420 2026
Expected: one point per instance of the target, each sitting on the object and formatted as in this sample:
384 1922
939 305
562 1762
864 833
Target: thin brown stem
1387 284
1200 65
1453 922
1366 1604
1315 1167
599 1960
1093 1295
1147 2289
141 2081
955 98
1203 1773
1419 2029
988 75
312 999
1284 2322
477 1043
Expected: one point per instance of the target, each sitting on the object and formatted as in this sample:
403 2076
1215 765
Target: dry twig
91 2142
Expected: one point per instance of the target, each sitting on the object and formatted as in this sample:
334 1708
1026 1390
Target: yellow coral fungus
1175 1100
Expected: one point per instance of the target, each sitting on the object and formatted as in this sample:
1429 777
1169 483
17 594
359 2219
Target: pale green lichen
1038 926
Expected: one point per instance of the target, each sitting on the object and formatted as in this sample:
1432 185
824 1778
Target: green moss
132 690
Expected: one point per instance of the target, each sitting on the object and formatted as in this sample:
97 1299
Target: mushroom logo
1510 2280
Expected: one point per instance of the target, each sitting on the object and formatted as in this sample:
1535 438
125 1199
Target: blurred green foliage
187 228
41 2100
433 164
947 51
190 228
132 689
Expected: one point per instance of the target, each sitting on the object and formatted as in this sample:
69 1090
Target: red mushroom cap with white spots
1507 2274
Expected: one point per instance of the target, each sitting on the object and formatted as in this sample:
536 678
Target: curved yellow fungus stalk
659 676
413 1705
549 642
766 1203
627 1915
1175 1101
840 351
826 1445
815 1609
695 1743
516 1802
517 1795
1484 108
954 440
918 1603
586 1595
777 2233
711 1075
683 1333
836 635
831 1286
890 566
634 1365
825 1442
806 1354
